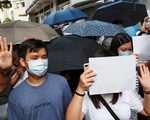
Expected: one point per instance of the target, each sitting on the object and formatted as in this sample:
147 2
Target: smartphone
86 66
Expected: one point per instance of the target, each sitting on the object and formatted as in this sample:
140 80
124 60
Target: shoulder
132 95
56 78
18 91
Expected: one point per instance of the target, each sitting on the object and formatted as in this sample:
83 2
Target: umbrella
94 28
70 52
63 16
132 30
130 13
18 31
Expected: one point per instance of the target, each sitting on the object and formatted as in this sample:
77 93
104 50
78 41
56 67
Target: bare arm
74 110
145 82
5 64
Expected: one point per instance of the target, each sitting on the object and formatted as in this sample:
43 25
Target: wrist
147 92
79 94
6 71
80 90
17 75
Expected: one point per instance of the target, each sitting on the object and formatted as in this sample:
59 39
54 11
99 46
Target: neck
35 81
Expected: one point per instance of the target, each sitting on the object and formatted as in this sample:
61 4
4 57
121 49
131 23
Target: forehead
40 52
126 45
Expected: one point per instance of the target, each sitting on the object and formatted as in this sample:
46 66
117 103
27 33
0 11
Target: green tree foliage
7 20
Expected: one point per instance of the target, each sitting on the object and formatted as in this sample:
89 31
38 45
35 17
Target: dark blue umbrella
63 16
94 28
130 13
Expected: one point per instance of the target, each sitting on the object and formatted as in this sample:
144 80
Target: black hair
148 33
96 98
118 40
141 33
31 45
103 53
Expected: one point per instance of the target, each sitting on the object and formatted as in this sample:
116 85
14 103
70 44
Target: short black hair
33 45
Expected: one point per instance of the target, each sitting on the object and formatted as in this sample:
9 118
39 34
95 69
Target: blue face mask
38 67
125 53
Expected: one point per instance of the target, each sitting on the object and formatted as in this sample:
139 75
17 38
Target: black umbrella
130 13
70 52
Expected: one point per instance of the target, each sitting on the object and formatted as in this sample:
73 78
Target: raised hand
86 80
144 78
5 54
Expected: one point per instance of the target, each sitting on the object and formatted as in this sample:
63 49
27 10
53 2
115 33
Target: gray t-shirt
48 101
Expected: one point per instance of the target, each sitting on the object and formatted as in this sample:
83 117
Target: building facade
16 12
38 10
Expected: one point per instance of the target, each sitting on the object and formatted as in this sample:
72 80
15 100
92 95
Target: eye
44 57
34 58
123 49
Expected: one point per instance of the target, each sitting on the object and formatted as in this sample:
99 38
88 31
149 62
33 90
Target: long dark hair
96 98
118 40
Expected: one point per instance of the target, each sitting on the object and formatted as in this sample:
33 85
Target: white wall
28 3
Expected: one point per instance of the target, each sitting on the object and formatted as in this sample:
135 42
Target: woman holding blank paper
121 45
91 107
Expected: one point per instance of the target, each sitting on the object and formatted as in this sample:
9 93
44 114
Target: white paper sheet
141 46
114 74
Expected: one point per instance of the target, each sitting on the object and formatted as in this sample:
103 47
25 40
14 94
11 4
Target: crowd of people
29 92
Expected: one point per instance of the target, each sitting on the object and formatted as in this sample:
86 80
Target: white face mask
125 53
38 67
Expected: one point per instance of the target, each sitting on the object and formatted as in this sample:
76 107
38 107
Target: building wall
87 6
18 9
28 3
38 10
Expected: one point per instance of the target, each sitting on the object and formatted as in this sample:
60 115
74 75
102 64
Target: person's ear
22 62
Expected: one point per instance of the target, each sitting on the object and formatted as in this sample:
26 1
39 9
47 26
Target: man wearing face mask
42 96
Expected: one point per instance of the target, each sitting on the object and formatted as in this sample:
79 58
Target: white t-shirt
128 100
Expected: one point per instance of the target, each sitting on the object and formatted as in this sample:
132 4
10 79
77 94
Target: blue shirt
48 101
